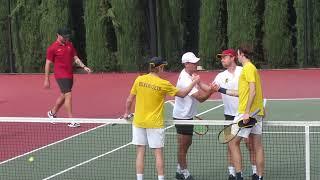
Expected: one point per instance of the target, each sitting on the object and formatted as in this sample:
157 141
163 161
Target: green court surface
106 152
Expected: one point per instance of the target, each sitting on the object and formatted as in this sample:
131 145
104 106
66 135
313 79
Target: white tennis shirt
229 80
185 108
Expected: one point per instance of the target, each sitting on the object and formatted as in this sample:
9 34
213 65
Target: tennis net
33 148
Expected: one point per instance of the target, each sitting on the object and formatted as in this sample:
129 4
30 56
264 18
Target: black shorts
228 118
65 85
184 129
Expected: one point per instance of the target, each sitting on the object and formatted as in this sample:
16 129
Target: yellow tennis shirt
250 74
150 94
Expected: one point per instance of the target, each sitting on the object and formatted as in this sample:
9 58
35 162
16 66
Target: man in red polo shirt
62 54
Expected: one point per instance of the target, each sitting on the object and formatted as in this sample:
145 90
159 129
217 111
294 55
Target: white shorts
143 136
245 132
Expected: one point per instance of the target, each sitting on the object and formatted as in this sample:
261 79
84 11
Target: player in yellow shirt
149 92
250 99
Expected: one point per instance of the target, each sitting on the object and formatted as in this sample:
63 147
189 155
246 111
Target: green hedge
130 27
245 26
279 50
170 31
98 22
4 41
212 32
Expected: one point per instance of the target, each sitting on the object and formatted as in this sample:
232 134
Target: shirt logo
226 81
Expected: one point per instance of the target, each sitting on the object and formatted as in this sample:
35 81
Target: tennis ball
31 159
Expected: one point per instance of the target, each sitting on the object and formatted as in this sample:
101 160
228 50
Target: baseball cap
189 57
157 61
64 32
228 52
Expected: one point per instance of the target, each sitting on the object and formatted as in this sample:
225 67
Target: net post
307 144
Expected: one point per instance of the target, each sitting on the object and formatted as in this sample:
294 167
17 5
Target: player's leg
59 102
234 146
68 103
231 169
140 161
184 139
158 152
256 135
139 138
156 141
249 144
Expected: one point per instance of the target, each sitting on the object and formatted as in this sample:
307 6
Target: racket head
225 134
252 122
200 129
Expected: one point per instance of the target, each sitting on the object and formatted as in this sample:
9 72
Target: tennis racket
200 129
129 118
225 135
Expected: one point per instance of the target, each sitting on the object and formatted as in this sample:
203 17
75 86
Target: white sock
139 176
178 168
160 177
185 172
254 169
232 170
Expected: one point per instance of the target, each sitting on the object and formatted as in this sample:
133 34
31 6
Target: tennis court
104 150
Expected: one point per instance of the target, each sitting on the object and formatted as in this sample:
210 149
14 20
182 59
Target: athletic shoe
180 176
74 125
231 177
51 116
189 178
256 177
239 176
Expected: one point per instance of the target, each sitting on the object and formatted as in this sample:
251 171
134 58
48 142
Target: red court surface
103 96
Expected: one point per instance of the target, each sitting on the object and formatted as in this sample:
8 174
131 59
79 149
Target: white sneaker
74 125
51 116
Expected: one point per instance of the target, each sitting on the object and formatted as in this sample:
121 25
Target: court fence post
307 144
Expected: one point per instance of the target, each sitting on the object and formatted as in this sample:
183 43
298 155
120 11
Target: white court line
54 143
85 162
92 159
8 160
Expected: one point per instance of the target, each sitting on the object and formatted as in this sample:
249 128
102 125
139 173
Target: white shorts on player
152 137
245 132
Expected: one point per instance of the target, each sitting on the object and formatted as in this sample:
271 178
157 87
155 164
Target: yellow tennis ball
31 159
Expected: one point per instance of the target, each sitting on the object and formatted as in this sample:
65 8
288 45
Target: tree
100 35
54 14
245 25
4 37
171 31
129 22
212 31
25 33
278 47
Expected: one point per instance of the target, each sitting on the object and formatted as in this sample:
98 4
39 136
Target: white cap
189 57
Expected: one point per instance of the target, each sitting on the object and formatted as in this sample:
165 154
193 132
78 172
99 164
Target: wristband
222 90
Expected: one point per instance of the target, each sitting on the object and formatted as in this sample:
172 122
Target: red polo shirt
62 56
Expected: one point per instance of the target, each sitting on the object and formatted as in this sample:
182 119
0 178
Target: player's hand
87 69
246 118
46 84
196 78
215 87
